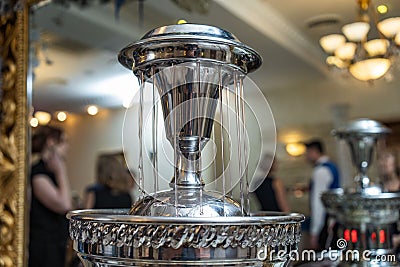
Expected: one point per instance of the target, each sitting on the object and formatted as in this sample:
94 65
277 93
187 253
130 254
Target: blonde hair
112 172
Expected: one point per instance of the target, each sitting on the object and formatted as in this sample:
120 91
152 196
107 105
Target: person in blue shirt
325 176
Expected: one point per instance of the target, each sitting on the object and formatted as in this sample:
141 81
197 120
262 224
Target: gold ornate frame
14 133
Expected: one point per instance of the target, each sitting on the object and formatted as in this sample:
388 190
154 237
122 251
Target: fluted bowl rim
121 216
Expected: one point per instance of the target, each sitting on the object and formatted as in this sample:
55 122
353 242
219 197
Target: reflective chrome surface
355 208
189 66
361 136
110 238
365 211
189 95
185 42
190 204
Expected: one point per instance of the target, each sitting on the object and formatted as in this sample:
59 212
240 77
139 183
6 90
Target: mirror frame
14 132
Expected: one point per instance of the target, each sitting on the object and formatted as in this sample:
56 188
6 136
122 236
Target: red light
373 236
382 236
354 237
346 235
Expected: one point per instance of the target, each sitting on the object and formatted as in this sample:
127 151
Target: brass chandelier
365 59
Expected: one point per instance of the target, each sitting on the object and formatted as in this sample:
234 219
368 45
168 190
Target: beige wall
304 105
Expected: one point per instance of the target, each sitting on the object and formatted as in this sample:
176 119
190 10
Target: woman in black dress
51 199
269 189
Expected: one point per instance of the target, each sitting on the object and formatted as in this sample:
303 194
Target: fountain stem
188 165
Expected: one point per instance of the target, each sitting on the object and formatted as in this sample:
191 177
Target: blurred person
325 176
269 189
112 187
50 199
389 171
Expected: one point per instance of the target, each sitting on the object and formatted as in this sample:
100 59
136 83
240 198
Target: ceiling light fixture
42 117
365 59
62 116
34 122
295 149
92 110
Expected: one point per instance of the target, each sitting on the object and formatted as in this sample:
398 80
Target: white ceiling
81 46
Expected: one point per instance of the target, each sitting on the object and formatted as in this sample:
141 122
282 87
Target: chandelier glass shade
356 31
365 59
370 69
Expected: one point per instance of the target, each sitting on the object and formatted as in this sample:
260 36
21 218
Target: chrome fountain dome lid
185 42
361 127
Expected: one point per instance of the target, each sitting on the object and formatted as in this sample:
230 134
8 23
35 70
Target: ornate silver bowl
113 238
353 208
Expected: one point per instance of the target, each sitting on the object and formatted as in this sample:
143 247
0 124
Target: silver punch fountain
365 213
191 68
